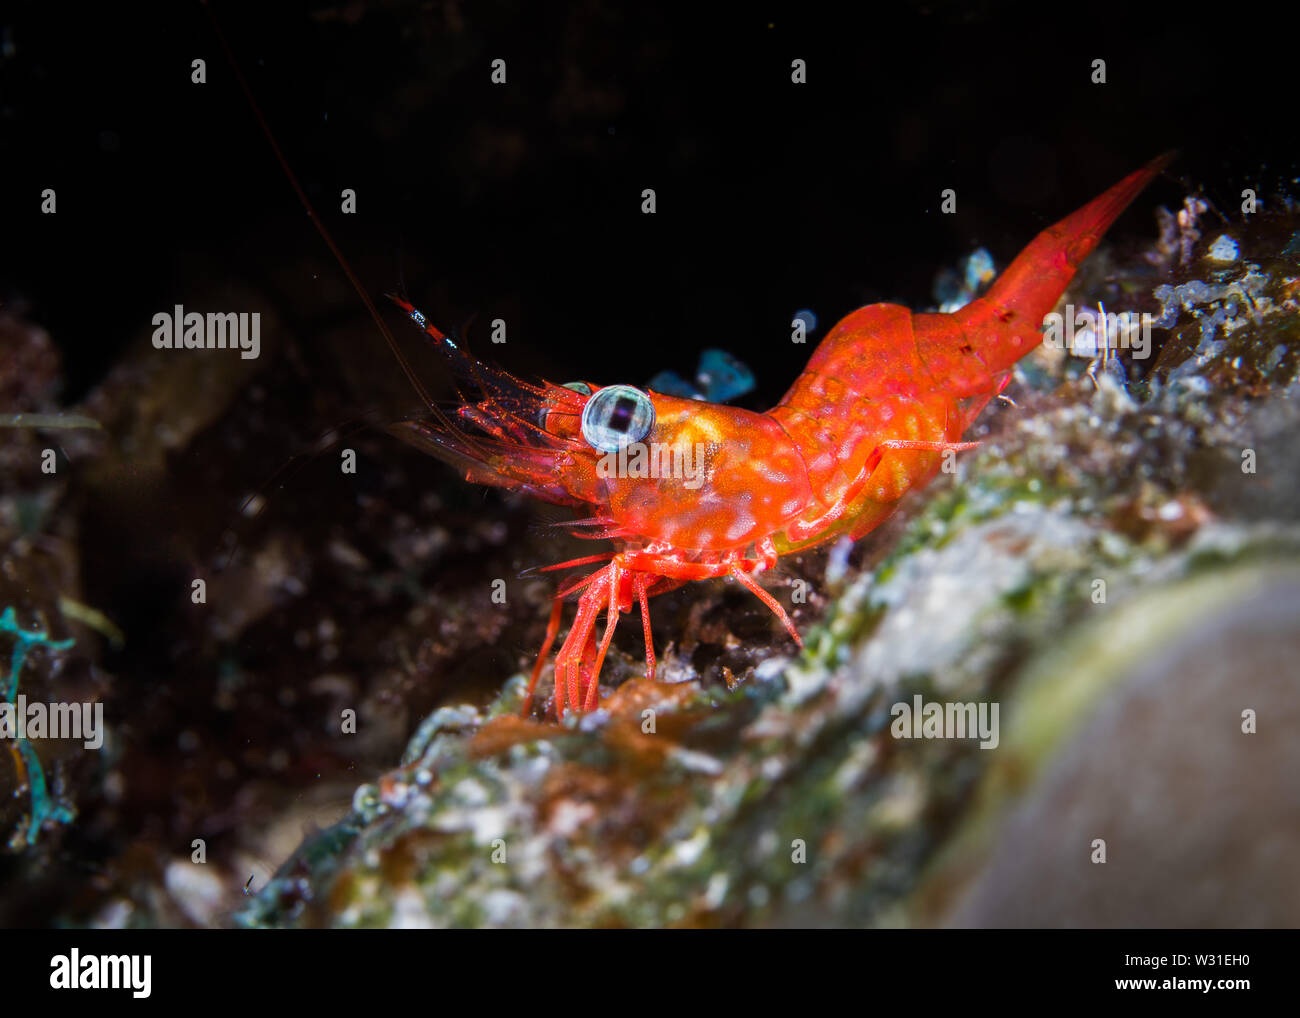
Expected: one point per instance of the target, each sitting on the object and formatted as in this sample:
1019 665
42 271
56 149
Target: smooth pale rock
1201 821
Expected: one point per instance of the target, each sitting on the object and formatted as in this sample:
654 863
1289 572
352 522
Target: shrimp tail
1006 323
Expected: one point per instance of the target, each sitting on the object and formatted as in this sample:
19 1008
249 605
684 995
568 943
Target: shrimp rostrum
689 490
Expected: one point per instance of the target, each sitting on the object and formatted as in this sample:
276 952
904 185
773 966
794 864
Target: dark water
523 200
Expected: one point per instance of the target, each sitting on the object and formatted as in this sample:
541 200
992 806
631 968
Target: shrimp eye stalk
582 388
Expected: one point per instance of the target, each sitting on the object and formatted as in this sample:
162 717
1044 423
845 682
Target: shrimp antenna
252 505
407 370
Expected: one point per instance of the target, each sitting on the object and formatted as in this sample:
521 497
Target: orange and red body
884 395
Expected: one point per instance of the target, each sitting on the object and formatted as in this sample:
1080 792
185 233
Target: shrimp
688 490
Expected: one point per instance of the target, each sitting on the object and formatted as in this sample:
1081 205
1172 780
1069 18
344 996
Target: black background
523 201
1015 965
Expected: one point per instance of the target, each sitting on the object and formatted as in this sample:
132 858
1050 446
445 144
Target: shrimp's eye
615 416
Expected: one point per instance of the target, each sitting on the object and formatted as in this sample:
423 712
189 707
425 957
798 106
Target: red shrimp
883 397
